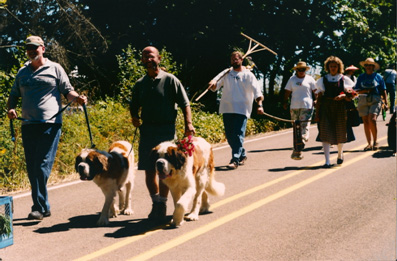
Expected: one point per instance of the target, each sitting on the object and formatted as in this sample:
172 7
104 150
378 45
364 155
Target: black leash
133 140
44 121
88 125
37 121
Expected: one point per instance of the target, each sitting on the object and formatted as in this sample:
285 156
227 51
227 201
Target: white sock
340 151
327 153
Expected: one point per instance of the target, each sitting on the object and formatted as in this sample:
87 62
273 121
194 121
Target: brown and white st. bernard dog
114 173
189 178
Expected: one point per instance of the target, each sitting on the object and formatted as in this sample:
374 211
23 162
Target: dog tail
215 188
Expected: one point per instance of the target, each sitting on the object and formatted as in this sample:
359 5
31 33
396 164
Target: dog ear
177 157
101 163
77 162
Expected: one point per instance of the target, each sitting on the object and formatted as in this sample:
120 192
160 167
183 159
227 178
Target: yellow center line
223 220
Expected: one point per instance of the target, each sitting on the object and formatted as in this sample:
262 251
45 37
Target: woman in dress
334 89
370 86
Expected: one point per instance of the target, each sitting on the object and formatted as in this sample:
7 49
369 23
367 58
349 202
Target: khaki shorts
370 104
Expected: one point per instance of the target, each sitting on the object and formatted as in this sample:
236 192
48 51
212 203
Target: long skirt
333 118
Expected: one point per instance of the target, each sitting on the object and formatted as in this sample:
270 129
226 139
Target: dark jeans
391 91
40 142
235 126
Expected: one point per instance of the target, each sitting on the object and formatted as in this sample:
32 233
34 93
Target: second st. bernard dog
189 178
114 173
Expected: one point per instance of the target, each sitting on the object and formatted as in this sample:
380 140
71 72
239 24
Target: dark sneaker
242 160
47 214
35 215
296 155
159 212
232 165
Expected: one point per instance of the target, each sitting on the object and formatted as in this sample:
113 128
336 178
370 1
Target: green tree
131 69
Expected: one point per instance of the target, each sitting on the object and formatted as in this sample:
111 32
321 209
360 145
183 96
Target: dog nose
160 165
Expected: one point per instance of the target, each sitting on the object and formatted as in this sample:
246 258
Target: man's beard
236 65
37 57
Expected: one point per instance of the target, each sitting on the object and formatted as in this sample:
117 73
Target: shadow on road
87 221
295 168
383 152
127 227
281 149
137 227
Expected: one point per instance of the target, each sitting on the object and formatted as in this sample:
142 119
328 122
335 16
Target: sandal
375 147
369 147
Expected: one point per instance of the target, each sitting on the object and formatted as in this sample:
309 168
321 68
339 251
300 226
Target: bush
109 121
131 69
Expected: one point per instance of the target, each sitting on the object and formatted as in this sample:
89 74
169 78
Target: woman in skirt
333 90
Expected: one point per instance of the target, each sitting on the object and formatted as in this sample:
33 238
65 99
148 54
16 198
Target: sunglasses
31 47
301 70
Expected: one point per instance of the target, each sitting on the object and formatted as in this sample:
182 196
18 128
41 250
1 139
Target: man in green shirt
154 109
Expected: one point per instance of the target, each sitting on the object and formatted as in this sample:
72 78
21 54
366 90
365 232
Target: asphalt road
275 208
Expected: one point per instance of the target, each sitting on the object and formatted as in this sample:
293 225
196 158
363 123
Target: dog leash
88 126
44 121
37 121
133 140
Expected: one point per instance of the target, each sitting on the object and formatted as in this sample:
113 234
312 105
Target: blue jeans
235 126
391 91
40 142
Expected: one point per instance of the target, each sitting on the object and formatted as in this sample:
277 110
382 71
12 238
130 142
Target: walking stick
249 51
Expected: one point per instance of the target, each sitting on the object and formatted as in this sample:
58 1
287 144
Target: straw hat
351 67
370 61
301 65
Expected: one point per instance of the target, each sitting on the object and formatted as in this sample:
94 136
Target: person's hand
260 111
189 130
81 99
136 122
340 97
212 85
12 114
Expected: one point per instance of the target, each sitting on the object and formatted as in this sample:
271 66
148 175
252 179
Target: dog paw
114 215
102 222
128 212
177 223
114 212
192 217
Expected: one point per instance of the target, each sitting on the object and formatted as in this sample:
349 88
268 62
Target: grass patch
109 121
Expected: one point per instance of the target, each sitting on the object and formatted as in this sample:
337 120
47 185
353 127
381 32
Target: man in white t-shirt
301 88
240 89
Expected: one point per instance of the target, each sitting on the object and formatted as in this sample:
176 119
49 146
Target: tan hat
370 61
301 65
351 67
34 40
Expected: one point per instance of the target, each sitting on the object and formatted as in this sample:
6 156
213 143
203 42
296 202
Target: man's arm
260 105
80 99
11 105
187 115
